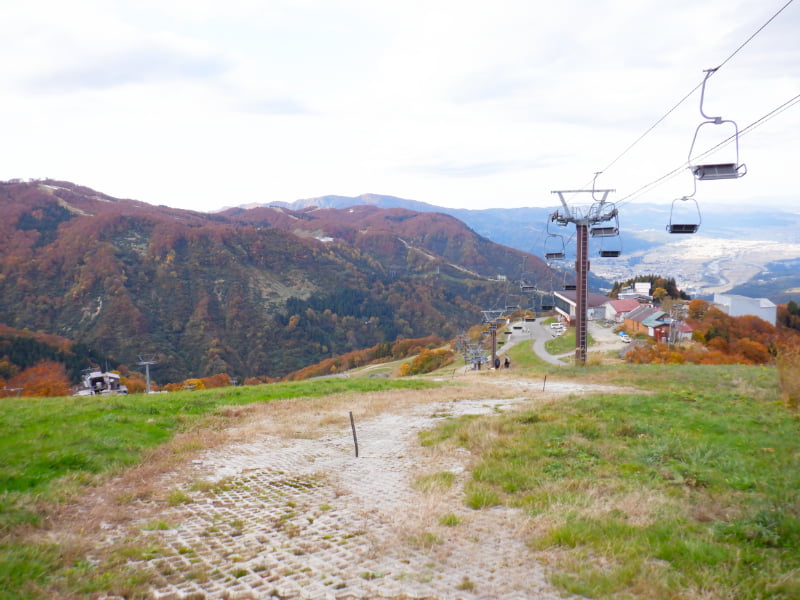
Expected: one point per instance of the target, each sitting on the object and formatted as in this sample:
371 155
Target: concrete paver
305 519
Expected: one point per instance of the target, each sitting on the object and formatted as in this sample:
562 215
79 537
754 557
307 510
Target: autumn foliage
200 383
789 315
45 378
259 293
376 354
427 361
718 339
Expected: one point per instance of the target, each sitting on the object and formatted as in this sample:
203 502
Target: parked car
625 338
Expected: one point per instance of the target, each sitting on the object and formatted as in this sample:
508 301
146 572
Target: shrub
427 361
789 372
45 378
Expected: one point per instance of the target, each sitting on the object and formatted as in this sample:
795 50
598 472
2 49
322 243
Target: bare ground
279 506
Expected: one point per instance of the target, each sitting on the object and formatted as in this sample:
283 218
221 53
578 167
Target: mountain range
250 292
264 290
752 250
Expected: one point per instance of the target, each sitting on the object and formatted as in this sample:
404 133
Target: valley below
701 266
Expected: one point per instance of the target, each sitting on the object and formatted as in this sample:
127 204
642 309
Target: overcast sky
202 104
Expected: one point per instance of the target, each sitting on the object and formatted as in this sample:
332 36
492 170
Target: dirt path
287 511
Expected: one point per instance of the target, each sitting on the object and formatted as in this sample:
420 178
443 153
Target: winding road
540 333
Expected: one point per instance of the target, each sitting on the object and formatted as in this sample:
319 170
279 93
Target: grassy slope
52 447
689 490
686 490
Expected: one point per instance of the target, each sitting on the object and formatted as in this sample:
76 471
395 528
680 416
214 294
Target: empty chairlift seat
610 247
683 227
604 231
722 170
719 171
684 220
554 248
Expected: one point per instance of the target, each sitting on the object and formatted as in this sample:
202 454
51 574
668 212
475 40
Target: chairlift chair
605 220
609 249
568 286
715 171
609 253
603 231
526 285
554 248
548 302
690 219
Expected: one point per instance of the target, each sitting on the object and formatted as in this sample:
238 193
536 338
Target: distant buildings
653 322
616 310
566 301
739 306
639 291
650 320
638 315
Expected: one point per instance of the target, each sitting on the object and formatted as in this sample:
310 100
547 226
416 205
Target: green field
685 485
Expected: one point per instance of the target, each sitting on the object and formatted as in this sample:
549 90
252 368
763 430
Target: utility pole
586 220
146 361
677 314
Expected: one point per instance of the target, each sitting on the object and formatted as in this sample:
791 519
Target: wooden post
353 427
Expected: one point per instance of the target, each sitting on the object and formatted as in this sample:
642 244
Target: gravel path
302 517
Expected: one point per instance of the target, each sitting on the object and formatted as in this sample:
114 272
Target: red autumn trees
45 378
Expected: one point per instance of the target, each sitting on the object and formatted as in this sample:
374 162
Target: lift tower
145 361
599 220
493 318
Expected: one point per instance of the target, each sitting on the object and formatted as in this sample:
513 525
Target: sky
203 104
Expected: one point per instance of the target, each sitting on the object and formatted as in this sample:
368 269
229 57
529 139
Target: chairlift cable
693 90
757 123
759 30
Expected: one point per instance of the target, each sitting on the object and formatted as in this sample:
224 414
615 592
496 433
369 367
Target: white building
640 290
739 306
566 303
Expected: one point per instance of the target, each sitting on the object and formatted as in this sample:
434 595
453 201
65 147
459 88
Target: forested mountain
248 292
755 247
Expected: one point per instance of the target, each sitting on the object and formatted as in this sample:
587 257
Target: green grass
565 343
690 491
53 447
449 520
523 358
43 439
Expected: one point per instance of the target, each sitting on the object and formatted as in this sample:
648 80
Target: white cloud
201 104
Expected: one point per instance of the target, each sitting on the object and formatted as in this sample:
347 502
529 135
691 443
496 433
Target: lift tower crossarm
573 215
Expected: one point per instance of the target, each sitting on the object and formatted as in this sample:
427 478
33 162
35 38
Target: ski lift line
759 30
694 89
755 124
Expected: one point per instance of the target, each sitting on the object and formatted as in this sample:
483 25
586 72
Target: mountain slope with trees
259 292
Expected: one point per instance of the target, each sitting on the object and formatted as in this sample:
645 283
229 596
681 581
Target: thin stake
353 427
544 383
